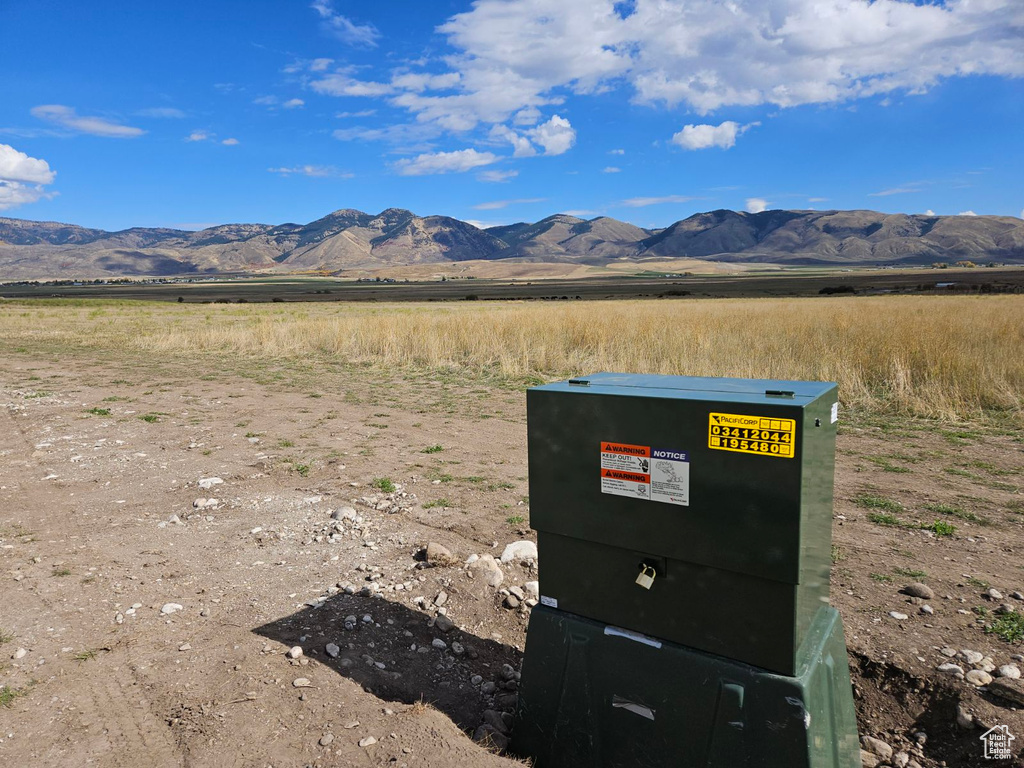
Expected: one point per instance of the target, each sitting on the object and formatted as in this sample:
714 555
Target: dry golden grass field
942 357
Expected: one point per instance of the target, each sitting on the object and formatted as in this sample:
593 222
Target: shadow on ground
393 656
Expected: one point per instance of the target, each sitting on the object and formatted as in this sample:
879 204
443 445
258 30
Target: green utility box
684 536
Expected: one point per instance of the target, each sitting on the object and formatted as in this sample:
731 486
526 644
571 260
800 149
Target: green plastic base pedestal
594 696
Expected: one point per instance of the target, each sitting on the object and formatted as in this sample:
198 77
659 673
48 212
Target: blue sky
188 114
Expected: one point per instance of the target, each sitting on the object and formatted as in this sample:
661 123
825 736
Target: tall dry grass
949 357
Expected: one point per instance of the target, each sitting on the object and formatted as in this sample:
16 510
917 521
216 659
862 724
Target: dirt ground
101 538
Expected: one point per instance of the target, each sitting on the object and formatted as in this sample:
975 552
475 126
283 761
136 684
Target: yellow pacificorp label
752 434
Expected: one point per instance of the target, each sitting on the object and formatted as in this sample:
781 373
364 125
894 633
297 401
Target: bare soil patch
99 458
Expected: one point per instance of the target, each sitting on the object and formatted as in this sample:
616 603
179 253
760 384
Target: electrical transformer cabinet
684 538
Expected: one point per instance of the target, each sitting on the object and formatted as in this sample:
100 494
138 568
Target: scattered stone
174 520
441 599
205 503
898 616
344 513
876 747
488 688
1004 609
918 589
993 594
326 739
951 669
444 624
487 570
1017 595
950 652
496 721
512 601
169 608
900 760
207 483
1011 671
978 677
458 649
21 653
517 592
476 680
927 609
332 650
185 647
1009 689
489 736
438 643
301 682
294 652
964 719
369 741
532 589
439 555
519 550
868 760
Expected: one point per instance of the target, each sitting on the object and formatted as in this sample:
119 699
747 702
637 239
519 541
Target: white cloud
611 169
22 178
17 166
341 27
521 145
315 171
817 199
643 202
527 116
616 151
341 84
67 117
556 135
580 213
293 103
458 161
199 136
230 142
265 101
499 204
497 176
711 54
929 212
894 191
360 113
163 112
967 213
704 136
320 65
757 204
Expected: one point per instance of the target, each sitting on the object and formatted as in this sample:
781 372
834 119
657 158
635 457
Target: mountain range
348 240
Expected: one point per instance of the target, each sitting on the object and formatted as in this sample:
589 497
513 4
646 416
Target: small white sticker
550 602
835 412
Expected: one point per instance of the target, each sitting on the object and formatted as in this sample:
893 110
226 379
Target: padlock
646 579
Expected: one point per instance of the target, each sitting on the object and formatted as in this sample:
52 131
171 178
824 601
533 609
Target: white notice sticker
835 412
643 472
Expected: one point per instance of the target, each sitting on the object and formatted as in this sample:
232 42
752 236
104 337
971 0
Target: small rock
512 601
207 483
294 652
487 735
487 570
185 647
444 624
326 739
441 599
971 657
868 760
19 654
918 589
1012 671
964 719
1010 689
950 669
438 555
495 720
458 649
332 650
517 592
993 594
519 550
950 652
476 680
1004 609
301 682
488 688
439 643
532 589
978 677
1017 595
876 747
367 742
898 616
900 760
927 609
169 608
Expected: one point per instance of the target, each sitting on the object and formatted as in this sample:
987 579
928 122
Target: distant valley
347 241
